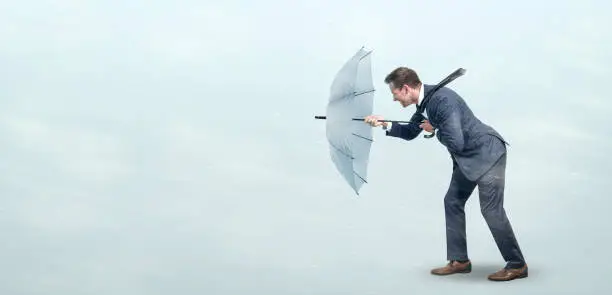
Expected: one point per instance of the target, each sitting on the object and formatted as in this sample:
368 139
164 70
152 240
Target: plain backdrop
160 147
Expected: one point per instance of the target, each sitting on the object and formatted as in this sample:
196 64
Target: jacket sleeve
450 131
407 131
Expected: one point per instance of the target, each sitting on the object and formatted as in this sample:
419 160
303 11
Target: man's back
474 145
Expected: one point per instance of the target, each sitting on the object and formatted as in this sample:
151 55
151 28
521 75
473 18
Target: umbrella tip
366 48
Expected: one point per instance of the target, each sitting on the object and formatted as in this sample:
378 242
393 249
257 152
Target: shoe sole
451 273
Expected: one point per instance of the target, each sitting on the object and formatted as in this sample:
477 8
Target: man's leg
457 195
491 192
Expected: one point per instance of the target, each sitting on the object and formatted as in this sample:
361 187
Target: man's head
405 85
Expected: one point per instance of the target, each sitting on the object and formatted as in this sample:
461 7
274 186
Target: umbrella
351 95
350 100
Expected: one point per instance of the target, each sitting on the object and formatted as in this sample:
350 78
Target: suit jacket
473 145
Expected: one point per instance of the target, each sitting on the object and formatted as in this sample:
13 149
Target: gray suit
479 155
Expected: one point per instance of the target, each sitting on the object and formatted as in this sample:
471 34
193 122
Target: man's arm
450 131
408 131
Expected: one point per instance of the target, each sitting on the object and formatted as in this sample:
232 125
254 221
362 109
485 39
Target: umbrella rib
363 137
360 177
363 92
342 152
365 55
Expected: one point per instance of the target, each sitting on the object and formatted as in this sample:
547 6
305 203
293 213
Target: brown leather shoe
506 274
453 267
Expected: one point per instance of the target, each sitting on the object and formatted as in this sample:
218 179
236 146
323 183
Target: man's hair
401 76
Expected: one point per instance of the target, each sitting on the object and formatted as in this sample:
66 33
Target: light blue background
158 147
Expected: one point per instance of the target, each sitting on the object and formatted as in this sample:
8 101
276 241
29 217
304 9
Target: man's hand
426 126
373 120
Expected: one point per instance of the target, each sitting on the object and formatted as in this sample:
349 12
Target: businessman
478 153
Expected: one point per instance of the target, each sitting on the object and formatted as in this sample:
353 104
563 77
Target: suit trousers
491 193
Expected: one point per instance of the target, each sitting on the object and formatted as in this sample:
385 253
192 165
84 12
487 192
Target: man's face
403 95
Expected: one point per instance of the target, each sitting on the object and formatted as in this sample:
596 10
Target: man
478 153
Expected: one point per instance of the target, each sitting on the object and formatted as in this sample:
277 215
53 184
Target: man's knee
494 216
452 202
490 212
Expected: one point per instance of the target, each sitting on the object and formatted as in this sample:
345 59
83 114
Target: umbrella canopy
351 95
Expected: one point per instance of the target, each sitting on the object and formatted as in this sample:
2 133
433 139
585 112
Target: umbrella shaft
389 121
361 119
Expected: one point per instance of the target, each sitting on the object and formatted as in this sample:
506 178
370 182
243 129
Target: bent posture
479 155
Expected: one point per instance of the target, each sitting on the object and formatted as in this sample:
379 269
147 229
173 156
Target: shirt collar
421 95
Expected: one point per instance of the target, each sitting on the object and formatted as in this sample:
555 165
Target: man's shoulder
442 103
447 93
444 97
